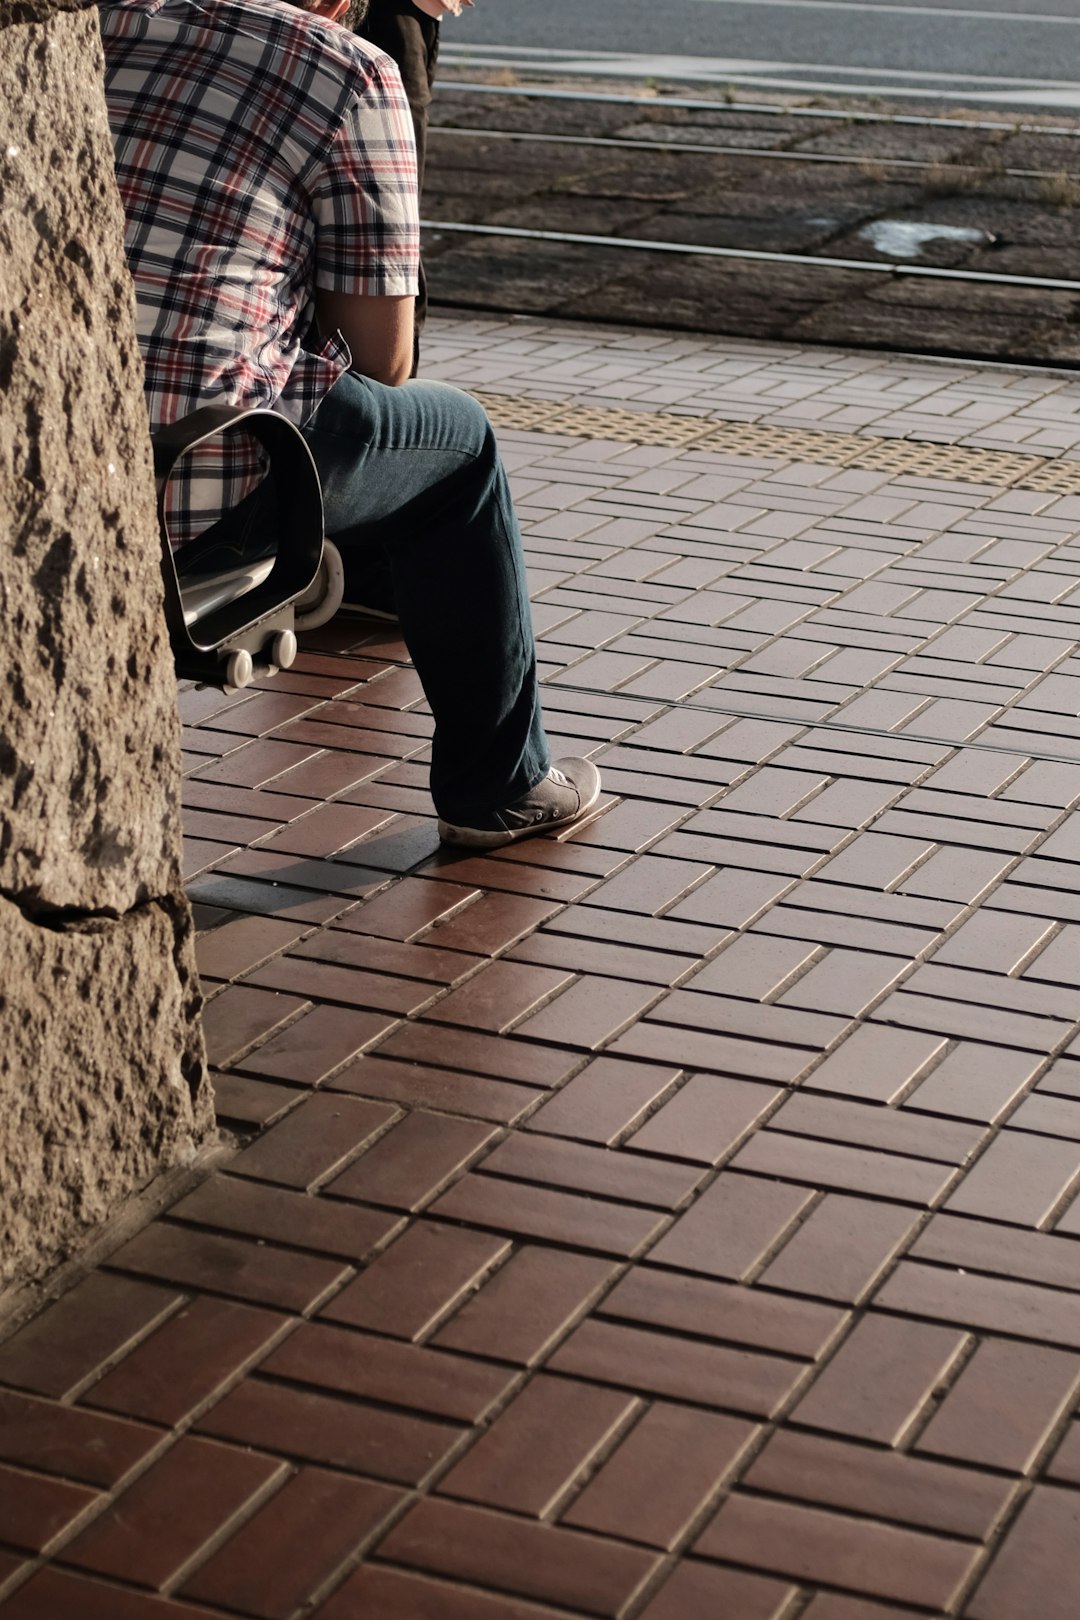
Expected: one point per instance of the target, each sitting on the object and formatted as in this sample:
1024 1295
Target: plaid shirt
261 152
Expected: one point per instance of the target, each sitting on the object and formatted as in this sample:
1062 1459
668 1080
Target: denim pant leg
415 471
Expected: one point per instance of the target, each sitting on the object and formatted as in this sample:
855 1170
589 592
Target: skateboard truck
229 625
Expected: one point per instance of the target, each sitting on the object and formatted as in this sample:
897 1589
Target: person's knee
471 427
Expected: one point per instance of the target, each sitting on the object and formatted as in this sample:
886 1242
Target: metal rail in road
804 260
693 103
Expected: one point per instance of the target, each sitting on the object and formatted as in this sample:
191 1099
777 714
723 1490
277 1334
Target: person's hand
442 8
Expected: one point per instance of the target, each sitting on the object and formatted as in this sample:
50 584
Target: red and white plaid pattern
261 152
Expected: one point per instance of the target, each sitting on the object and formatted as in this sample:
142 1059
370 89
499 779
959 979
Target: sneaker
560 799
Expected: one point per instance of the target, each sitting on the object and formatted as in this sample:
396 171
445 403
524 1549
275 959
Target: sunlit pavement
673 1221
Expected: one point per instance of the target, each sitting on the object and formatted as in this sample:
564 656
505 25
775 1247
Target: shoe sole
475 838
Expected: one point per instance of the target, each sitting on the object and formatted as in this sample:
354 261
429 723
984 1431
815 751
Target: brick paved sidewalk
673 1221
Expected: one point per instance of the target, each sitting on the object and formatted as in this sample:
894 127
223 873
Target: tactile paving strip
1006 469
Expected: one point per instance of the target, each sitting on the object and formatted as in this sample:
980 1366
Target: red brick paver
678 1220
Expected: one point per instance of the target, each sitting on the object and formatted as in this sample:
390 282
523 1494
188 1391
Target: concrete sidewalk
674 1221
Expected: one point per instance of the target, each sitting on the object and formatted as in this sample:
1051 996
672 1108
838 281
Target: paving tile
515 877
589 1012
756 966
417 1279
649 886
731 1227
1038 1565
704 1119
1004 1405
392 1594
683 939
838 1119
1049 1116
489 924
286 1551
388 1371
715 1054
314 1045
845 982
512 1555
707 1591
481 1052
251 1102
52 1592
340 1434
608 1097
530 1457
387 956
730 899
730 1015
195 1355
974 1082
591 1170
995 942
690 1451
834 1606
242 1015
83 1332
264 899
841 1248
976 1245
1065 1463
260 1274
723 1311
409 908
811 1545
878 1065
828 1165
880 1379
34 1510
87 1447
416 1085
1019 1178
679 1369
549 1214
313 1141
412 1162
242 943
351 987
162 1520
327 830
536 1296
282 1216
880 1484
989 1304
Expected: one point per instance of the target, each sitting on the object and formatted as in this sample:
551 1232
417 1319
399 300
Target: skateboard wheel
239 669
321 601
283 650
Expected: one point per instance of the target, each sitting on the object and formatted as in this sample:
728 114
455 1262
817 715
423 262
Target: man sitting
265 160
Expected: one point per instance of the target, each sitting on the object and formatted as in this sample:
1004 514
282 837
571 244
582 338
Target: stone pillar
102 1074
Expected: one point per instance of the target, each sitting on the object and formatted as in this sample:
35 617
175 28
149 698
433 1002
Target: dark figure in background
410 35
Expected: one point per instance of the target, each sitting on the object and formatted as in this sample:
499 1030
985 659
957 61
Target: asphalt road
1022 53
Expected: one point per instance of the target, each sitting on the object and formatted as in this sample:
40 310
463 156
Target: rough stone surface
101 1074
102 1057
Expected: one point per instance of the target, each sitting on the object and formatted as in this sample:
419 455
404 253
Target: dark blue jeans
413 473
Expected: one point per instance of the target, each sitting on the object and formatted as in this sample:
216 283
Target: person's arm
378 330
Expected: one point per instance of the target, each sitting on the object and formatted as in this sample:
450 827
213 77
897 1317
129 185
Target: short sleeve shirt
261 152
